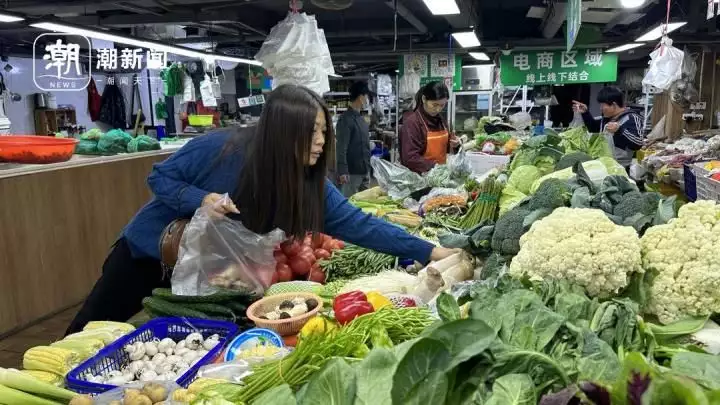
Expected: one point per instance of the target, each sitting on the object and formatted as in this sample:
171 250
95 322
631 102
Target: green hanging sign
558 67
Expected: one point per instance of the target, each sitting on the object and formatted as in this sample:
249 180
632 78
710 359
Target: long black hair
276 188
432 91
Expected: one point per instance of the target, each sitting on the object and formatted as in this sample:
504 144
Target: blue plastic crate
113 357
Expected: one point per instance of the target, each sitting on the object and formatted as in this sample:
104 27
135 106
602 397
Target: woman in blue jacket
275 174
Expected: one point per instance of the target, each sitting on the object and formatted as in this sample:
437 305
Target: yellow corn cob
106 335
51 359
202 383
47 377
122 327
85 348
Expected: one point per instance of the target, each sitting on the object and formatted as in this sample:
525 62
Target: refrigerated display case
469 104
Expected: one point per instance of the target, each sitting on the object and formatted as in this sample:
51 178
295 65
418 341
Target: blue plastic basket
113 357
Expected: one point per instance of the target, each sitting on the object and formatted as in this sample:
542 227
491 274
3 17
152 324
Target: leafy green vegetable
513 389
374 378
424 358
598 147
280 395
570 159
701 367
448 308
334 384
574 139
523 177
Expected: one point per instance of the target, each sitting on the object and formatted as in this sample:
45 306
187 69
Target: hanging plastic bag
397 180
665 65
216 89
206 92
219 252
577 120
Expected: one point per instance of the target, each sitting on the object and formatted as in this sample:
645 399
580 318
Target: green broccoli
508 230
570 159
552 193
635 202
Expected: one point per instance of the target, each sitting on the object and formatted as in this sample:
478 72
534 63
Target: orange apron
437 143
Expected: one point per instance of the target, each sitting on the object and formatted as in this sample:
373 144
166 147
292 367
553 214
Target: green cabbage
523 177
574 140
612 166
509 198
545 164
599 147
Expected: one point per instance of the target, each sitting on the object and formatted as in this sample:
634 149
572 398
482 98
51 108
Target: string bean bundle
354 261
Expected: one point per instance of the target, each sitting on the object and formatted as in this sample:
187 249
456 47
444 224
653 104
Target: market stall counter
58 221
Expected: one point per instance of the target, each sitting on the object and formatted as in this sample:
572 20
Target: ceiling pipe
405 13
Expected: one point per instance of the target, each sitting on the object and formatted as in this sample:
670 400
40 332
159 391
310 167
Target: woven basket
284 327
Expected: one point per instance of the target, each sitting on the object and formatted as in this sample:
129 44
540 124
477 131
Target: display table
58 222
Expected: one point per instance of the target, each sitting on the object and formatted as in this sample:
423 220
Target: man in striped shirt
623 126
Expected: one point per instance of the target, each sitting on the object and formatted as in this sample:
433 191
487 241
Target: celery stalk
13 379
13 396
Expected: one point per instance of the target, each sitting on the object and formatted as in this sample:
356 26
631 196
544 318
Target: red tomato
305 250
308 240
328 245
299 265
316 274
290 248
274 278
322 254
290 340
284 273
280 257
310 257
339 244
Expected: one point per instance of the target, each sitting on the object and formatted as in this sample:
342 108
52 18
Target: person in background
275 173
624 125
353 142
424 137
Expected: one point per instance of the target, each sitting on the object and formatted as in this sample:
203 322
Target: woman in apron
424 137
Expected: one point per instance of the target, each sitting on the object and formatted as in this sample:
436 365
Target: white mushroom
194 341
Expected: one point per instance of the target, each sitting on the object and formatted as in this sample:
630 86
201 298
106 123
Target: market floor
43 333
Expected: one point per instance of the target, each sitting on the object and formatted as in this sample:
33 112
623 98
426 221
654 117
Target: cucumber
238 308
218 298
161 307
212 309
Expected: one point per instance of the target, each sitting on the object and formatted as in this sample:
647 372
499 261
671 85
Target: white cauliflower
684 254
582 246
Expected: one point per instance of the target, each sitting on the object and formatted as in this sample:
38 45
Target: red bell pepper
350 305
352 296
350 311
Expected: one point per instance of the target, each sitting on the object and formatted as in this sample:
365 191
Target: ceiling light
442 7
625 47
10 18
479 55
657 32
466 39
632 3
334 75
154 45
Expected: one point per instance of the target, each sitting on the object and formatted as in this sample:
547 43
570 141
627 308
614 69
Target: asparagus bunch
485 205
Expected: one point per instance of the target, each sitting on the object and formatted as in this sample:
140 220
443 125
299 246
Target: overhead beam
329 35
553 19
407 15
130 20
135 9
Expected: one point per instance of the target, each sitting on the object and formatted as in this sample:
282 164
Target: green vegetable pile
354 261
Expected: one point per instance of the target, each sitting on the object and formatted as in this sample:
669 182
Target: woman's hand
440 253
218 205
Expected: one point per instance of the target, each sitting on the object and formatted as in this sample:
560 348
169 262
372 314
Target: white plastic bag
577 120
665 65
409 85
219 252
397 180
118 394
206 92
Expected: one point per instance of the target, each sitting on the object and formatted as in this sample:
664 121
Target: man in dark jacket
353 142
624 125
